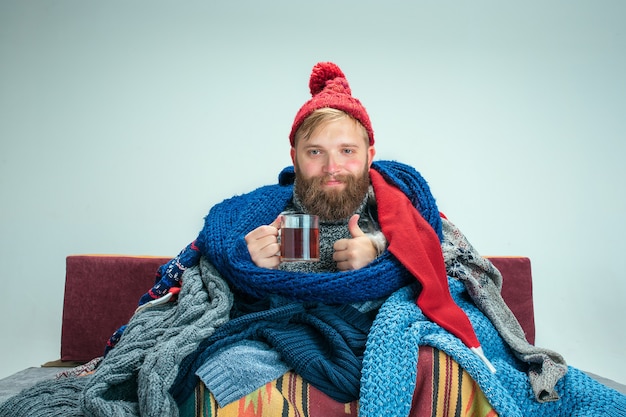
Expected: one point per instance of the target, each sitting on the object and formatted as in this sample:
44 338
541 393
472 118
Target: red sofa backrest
101 295
102 292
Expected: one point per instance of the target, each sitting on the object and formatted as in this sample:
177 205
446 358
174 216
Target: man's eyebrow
350 144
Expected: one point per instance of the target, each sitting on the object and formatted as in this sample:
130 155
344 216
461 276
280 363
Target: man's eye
348 151
314 152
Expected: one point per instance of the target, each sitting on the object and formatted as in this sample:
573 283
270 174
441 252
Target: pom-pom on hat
330 88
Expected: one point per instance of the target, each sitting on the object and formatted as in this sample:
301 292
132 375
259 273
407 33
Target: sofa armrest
517 290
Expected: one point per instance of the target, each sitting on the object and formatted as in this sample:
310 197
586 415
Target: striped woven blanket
442 389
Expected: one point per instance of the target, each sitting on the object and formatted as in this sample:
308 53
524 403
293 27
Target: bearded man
331 155
380 326
344 334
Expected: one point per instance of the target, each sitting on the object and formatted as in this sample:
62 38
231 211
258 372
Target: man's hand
354 253
263 245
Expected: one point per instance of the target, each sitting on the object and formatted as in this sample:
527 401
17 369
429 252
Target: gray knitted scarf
484 284
135 377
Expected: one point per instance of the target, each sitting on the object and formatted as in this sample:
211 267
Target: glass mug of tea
299 238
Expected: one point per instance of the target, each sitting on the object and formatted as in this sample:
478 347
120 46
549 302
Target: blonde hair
319 118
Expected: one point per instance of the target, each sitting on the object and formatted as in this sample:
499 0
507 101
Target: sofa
102 292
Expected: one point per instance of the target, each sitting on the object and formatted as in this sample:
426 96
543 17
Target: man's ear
293 155
371 151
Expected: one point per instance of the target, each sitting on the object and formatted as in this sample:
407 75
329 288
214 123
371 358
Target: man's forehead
345 132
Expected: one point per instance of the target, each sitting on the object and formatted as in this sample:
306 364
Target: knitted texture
229 221
415 188
484 282
329 88
323 344
331 231
170 274
222 239
415 237
239 369
135 377
49 398
168 278
390 363
414 243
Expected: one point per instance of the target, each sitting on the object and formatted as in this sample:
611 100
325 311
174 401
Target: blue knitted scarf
390 366
222 241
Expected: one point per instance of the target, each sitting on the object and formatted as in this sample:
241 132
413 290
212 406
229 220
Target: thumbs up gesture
356 252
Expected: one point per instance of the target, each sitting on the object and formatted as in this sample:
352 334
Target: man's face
332 169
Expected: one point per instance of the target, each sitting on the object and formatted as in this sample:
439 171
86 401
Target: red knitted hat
330 88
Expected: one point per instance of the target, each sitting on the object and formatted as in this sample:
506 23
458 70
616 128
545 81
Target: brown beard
332 205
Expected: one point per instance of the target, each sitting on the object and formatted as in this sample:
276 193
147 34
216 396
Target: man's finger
353 226
276 222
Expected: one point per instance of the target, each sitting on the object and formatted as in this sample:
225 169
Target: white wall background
122 123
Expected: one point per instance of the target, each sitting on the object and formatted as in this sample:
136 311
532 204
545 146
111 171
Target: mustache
334 177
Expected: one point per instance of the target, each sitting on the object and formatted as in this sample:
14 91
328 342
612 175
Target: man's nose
332 164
